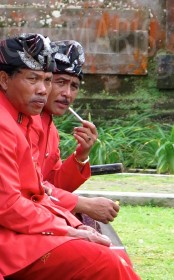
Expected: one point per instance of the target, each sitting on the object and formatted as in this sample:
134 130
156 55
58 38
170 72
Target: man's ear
4 77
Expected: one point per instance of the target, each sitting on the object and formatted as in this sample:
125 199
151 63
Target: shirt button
47 233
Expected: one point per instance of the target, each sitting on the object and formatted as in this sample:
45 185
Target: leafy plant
138 143
165 154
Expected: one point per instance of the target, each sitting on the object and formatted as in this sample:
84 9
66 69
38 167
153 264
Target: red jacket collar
46 118
19 117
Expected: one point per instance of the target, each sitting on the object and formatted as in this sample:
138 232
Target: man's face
64 91
28 90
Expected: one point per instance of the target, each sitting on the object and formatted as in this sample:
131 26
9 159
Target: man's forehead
36 73
66 77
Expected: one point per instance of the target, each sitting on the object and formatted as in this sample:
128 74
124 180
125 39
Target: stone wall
119 37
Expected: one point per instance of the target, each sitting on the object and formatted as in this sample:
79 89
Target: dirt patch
123 182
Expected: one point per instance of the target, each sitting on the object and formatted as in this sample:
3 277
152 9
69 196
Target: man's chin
32 112
36 112
60 112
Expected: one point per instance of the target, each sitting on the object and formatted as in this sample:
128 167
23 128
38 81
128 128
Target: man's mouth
62 104
39 102
65 103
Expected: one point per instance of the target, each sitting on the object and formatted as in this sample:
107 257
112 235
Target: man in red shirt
39 240
68 175
75 170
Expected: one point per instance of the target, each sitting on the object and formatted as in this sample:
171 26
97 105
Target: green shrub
165 154
139 143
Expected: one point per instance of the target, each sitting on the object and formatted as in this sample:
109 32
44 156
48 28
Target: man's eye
32 79
48 79
60 83
75 87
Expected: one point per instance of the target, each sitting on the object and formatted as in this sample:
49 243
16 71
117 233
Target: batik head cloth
69 57
31 51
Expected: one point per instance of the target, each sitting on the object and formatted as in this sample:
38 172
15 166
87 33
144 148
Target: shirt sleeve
66 175
65 199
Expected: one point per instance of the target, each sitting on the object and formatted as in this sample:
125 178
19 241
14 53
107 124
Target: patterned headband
69 57
31 51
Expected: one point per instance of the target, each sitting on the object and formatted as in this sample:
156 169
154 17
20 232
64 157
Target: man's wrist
82 205
81 163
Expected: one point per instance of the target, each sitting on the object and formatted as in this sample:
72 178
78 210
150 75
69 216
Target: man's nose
41 89
67 91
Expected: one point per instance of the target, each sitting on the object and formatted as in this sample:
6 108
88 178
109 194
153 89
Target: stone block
115 41
165 71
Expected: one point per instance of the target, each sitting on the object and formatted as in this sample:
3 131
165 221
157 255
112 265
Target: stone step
133 198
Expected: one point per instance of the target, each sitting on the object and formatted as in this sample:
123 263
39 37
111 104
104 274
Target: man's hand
89 234
98 208
86 136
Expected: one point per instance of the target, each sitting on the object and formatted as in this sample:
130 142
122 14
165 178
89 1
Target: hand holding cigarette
79 118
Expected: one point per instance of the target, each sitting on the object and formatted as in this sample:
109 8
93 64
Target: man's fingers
116 206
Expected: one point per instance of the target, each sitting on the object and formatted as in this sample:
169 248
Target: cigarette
117 248
53 198
79 118
75 114
117 202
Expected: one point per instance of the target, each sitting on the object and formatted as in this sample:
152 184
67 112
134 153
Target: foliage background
141 135
139 143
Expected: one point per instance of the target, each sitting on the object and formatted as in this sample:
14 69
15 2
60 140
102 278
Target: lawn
148 235
147 232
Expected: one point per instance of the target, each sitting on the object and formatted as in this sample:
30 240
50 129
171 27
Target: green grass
147 233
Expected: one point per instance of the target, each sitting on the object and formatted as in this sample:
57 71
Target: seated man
70 174
39 240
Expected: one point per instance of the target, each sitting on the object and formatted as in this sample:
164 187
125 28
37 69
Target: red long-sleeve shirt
25 210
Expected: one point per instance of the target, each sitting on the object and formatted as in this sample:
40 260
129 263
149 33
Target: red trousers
79 260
